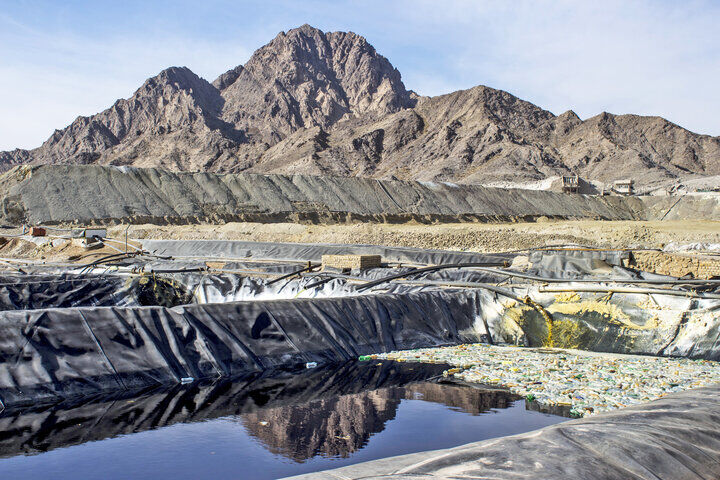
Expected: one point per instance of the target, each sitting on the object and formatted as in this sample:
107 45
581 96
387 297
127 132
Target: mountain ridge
328 103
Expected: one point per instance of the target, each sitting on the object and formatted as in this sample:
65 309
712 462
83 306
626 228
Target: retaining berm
88 193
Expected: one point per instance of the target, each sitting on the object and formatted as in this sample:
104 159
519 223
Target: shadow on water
327 412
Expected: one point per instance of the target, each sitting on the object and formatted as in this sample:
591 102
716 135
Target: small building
624 187
570 183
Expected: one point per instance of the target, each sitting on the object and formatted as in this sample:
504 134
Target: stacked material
360 262
677 265
584 382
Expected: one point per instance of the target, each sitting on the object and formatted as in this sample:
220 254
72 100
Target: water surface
259 427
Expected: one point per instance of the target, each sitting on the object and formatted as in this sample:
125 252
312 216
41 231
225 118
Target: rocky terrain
327 103
472 237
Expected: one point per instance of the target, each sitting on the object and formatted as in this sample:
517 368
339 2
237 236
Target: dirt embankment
471 237
475 237
84 194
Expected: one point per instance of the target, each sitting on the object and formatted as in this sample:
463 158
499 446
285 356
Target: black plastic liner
676 437
35 291
580 264
48 355
33 430
32 291
311 251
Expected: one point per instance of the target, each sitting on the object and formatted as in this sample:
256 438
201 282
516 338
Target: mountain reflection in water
264 425
340 426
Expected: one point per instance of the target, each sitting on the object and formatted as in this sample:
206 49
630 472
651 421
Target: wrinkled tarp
38 429
247 268
32 291
449 274
310 252
579 264
46 355
632 323
676 437
36 291
217 288
220 288
65 290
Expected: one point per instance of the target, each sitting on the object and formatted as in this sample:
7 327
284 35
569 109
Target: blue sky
61 59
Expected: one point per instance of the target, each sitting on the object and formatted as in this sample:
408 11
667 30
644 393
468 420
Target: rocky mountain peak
182 76
305 78
228 78
176 79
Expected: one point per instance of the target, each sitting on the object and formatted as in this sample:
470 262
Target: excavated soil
475 237
478 237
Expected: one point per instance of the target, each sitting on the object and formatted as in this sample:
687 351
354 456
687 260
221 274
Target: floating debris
585 382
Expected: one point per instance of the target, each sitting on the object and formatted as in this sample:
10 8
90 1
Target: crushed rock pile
55 194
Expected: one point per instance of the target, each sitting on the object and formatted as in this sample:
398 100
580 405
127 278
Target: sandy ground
480 237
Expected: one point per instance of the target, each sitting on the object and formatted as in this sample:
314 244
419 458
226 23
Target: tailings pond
262 426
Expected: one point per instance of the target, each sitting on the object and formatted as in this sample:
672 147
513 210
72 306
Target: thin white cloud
651 58
52 79
633 56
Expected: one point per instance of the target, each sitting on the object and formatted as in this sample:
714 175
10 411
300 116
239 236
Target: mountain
328 103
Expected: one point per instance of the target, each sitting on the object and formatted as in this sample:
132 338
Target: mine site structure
624 187
200 316
570 183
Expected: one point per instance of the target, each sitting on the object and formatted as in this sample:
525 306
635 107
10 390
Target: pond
263 426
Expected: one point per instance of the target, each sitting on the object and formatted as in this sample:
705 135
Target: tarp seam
102 350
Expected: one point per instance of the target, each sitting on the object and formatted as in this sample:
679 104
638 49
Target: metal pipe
572 247
449 283
631 290
334 275
598 280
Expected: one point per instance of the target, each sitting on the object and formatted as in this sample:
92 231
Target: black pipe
335 275
181 270
106 259
428 269
321 282
310 266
